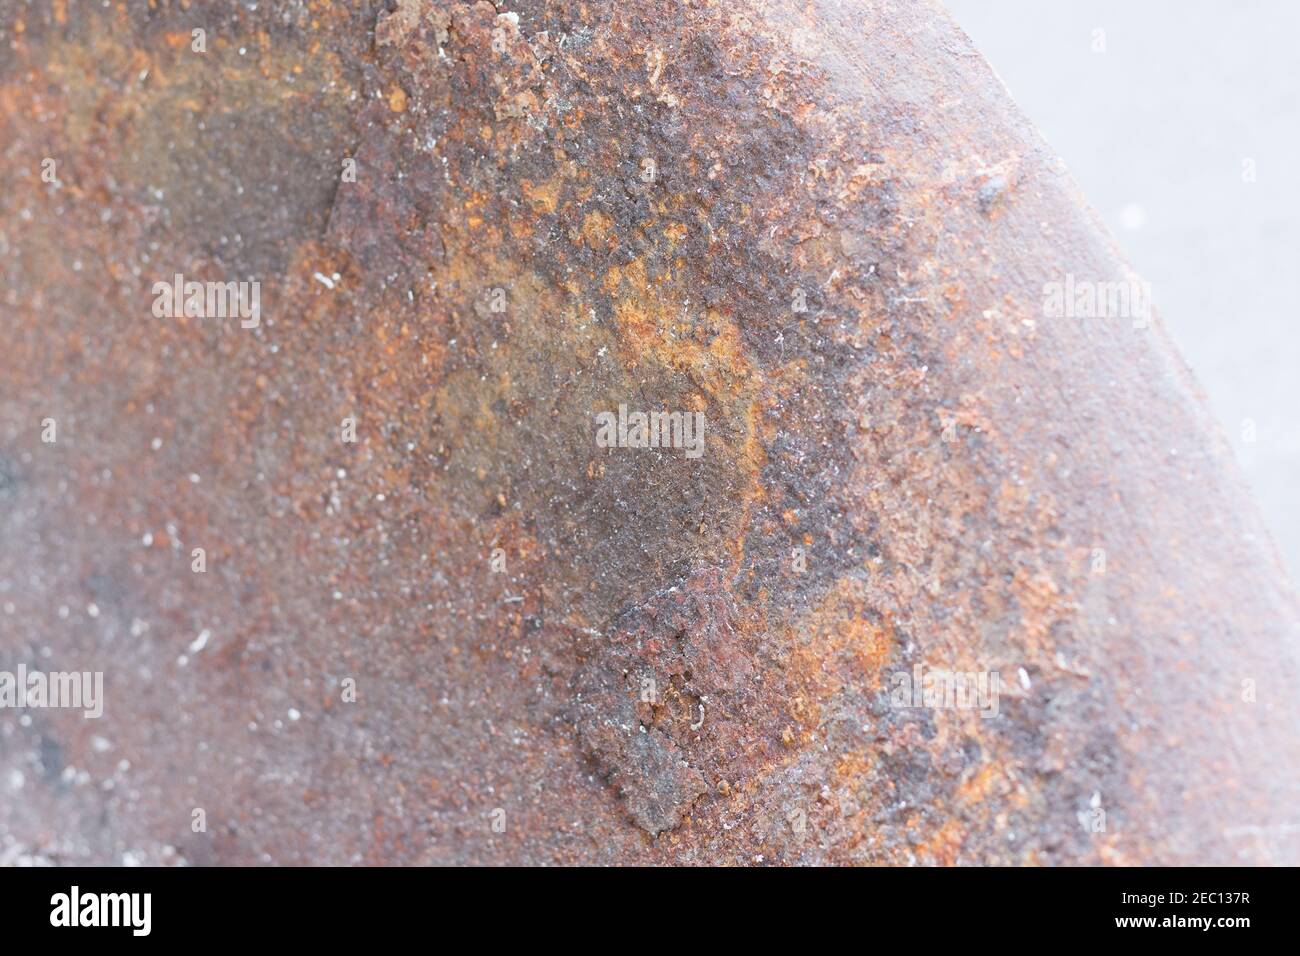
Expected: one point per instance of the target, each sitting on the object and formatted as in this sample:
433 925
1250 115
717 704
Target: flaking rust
639 699
474 635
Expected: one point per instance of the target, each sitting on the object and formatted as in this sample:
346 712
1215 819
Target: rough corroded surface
560 207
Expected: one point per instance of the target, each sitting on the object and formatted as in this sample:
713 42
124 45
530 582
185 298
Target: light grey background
1155 130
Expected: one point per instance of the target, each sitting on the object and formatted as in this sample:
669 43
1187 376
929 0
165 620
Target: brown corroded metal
473 635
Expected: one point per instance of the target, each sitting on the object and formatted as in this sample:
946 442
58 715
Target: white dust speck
200 642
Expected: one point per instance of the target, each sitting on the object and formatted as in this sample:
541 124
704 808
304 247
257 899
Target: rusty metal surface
560 207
